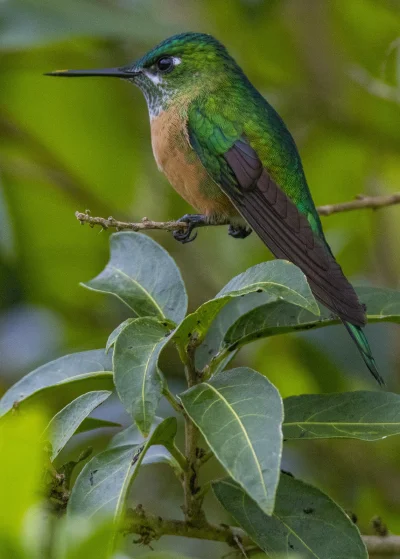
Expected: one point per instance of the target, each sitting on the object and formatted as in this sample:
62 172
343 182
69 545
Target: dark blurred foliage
332 70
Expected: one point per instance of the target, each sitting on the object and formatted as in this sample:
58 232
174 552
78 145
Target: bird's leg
239 231
193 221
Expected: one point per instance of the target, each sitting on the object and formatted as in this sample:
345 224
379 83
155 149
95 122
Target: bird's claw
239 231
187 235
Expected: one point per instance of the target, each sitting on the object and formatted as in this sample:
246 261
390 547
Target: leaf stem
179 457
215 363
206 457
172 400
203 491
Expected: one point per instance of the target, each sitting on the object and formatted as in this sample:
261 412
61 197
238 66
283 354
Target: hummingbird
229 154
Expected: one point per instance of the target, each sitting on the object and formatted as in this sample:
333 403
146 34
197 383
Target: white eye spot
176 60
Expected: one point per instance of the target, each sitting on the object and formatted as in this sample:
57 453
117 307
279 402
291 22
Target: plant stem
151 527
192 505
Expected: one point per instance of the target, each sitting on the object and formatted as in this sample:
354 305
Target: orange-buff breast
181 165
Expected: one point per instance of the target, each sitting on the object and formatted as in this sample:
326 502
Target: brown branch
361 202
386 546
142 225
150 528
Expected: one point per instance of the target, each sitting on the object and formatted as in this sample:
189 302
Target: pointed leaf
157 454
270 280
92 423
137 379
53 373
364 415
305 521
235 330
64 425
112 338
233 310
239 412
102 488
130 436
54 398
143 276
287 279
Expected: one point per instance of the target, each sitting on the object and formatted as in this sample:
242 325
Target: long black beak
104 72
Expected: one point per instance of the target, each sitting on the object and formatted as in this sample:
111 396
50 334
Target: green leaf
239 412
305 521
21 470
64 425
92 423
282 277
383 305
59 382
129 436
157 454
102 488
144 277
112 338
364 415
273 279
54 398
279 317
55 372
137 378
234 309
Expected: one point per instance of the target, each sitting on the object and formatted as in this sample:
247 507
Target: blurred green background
332 70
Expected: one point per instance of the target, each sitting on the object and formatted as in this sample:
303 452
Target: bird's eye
165 64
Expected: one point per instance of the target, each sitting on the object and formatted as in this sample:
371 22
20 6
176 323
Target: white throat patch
158 96
155 78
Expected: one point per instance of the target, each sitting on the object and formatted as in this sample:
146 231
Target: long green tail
361 341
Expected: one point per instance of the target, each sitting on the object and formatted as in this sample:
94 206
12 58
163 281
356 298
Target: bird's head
184 64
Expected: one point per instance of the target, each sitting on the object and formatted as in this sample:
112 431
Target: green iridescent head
183 64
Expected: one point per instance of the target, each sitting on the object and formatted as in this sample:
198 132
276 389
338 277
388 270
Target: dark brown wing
287 232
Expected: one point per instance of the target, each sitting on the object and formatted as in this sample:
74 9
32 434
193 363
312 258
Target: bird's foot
239 231
193 221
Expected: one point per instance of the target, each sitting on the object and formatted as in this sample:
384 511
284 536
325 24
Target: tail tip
363 346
